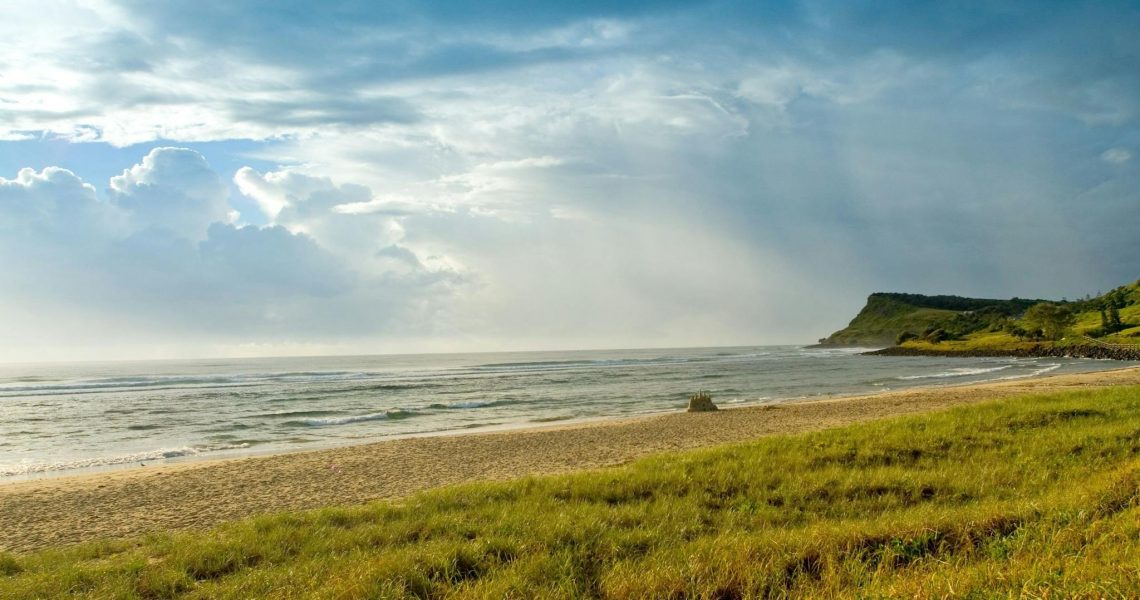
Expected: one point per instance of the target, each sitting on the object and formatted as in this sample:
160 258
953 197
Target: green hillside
887 315
1109 319
954 323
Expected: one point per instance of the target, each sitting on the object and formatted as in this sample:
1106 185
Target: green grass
1029 497
983 340
883 318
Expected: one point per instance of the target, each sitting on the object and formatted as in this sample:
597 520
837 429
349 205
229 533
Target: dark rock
1037 351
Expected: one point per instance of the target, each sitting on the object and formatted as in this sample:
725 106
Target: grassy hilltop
1035 496
954 323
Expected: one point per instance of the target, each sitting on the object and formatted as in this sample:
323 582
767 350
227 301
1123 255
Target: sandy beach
70 509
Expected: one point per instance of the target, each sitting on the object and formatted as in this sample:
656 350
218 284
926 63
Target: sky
273 177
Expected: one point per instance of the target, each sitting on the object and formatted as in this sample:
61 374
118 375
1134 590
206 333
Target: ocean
72 417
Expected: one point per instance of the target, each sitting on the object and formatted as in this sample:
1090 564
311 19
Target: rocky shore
1037 351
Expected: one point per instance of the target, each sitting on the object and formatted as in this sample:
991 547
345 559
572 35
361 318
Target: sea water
61 418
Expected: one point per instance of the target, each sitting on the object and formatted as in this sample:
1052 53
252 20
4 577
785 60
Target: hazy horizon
180 180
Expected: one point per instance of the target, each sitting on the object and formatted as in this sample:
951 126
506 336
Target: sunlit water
66 417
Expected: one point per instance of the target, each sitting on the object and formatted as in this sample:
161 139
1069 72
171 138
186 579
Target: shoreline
187 456
1089 351
73 508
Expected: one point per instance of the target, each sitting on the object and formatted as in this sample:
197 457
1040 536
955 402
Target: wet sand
65 510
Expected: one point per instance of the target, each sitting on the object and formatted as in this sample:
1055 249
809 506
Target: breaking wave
329 421
962 372
9 470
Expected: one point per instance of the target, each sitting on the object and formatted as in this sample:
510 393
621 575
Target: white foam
9 470
356 418
962 372
160 382
471 404
1041 371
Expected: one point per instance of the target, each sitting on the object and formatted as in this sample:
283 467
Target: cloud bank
432 176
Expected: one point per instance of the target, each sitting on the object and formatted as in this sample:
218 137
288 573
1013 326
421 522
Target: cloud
174 189
252 262
348 218
125 73
53 199
1116 156
580 173
159 255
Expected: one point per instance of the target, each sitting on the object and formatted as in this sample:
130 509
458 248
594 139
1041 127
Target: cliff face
886 315
1107 326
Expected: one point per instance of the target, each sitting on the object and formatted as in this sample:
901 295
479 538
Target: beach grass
988 340
1034 496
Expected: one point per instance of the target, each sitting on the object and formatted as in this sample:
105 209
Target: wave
962 372
165 382
614 362
556 364
328 421
121 383
295 413
840 351
551 419
411 385
11 470
473 404
1043 370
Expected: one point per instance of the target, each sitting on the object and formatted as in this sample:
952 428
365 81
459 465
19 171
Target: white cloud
173 188
501 178
160 257
1116 156
665 178
347 218
45 198
261 262
276 190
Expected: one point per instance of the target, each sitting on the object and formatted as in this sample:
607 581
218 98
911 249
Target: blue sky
218 178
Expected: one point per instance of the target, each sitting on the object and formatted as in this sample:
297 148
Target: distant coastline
1103 327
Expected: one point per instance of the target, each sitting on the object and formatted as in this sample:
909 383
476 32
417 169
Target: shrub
1052 320
904 337
938 335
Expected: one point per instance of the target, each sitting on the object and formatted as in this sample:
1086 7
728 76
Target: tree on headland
1114 321
1051 320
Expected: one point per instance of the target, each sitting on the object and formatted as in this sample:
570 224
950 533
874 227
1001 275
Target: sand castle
701 402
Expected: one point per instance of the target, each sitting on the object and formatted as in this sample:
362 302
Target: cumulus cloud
348 218
159 254
174 189
53 199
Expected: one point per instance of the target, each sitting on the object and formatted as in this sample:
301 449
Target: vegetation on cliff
886 316
948 324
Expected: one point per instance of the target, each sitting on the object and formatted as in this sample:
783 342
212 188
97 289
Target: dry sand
65 510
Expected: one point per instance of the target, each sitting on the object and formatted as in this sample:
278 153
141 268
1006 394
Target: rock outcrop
1038 351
